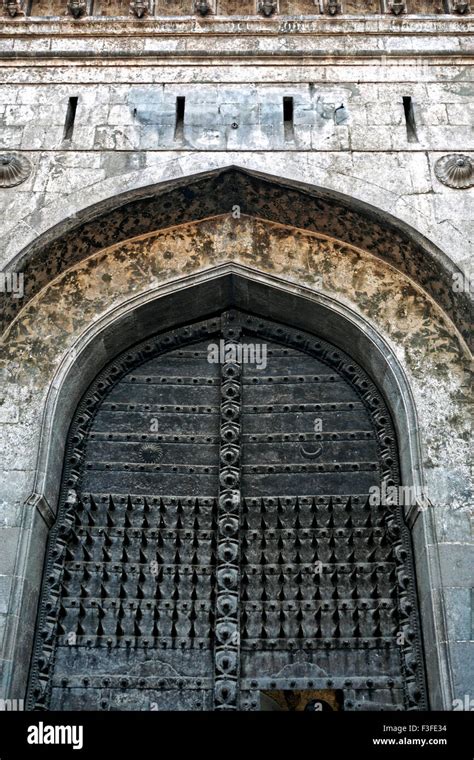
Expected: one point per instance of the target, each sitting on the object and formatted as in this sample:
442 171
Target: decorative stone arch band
152 206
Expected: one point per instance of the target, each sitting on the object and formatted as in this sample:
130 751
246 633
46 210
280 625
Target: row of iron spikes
264 524
203 603
143 559
296 506
264 634
287 643
123 593
375 594
327 568
192 614
297 540
138 614
252 537
195 561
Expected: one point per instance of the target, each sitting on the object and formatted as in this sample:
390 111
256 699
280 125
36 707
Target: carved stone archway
243 192
270 272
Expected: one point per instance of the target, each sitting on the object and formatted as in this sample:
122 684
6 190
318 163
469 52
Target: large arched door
217 544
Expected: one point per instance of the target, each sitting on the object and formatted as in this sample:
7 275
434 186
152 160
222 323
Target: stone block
458 613
9 543
461 113
462 659
375 138
457 564
11 138
5 588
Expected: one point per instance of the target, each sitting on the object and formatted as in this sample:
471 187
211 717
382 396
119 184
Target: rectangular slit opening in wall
70 118
410 119
180 109
288 122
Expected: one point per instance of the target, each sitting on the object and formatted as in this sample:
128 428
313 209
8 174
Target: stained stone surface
336 224
250 195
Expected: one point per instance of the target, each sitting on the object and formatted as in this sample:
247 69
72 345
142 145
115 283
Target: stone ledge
238 25
122 46
113 38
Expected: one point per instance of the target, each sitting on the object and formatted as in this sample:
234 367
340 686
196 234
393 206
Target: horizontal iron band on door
287 408
170 380
187 438
162 438
291 379
149 532
350 605
246 408
346 435
121 498
138 467
353 682
110 406
133 682
132 603
128 566
200 468
137 641
251 533
359 642
306 568
320 467
338 500
171 642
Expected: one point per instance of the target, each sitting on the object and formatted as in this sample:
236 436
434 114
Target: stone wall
349 139
349 132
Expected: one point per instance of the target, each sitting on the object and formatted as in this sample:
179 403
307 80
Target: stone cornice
237 25
281 38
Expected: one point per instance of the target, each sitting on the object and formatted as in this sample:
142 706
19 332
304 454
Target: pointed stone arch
219 191
225 286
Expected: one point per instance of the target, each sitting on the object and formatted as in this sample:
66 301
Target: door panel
215 540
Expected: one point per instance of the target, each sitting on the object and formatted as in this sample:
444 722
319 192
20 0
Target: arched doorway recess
215 537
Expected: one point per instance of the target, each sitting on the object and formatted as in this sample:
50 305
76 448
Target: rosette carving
14 169
455 171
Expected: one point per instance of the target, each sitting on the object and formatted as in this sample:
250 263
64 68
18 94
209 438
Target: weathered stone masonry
302 167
